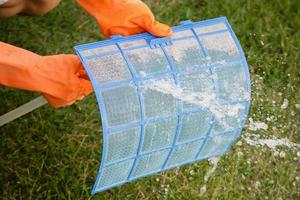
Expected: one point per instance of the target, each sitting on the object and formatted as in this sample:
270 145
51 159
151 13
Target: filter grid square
157 98
147 61
114 174
103 72
122 144
198 89
159 134
231 82
184 153
150 163
186 53
121 105
220 47
195 125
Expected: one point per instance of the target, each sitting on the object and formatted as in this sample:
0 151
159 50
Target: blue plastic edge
147 36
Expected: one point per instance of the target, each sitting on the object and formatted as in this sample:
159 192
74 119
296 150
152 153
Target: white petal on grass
272 144
214 162
253 126
202 190
285 104
257 184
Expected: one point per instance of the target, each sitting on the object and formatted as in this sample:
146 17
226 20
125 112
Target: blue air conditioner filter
165 102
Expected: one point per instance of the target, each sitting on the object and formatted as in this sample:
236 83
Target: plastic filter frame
166 102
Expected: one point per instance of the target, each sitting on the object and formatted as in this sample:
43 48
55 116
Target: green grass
54 154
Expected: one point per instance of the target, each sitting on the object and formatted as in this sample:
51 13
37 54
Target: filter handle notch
165 41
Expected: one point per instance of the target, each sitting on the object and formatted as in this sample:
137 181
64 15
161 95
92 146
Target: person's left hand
60 78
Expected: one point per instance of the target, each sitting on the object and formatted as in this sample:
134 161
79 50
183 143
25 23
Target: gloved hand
60 78
124 17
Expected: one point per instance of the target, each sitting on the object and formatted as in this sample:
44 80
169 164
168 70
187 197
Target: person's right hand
124 17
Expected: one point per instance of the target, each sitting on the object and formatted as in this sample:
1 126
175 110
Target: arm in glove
60 78
124 17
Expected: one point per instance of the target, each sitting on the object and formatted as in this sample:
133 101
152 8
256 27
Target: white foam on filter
143 74
205 99
221 62
253 126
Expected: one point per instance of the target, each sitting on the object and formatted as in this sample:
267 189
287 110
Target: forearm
59 76
124 17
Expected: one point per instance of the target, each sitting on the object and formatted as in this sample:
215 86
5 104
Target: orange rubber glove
61 78
124 17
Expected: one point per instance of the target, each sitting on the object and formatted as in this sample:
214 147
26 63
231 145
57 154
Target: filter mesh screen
181 100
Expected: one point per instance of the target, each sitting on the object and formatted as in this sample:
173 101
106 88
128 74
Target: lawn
55 153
